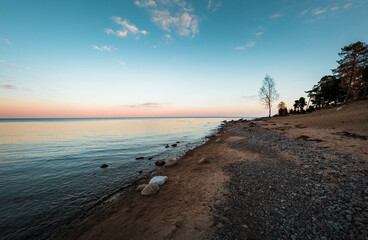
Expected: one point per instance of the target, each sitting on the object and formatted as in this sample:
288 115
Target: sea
50 171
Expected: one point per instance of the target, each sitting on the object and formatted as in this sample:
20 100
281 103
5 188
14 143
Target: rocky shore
293 190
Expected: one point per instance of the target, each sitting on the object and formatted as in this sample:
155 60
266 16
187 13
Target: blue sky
166 57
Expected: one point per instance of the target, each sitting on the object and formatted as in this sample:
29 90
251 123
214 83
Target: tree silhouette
268 93
354 59
302 104
282 109
296 105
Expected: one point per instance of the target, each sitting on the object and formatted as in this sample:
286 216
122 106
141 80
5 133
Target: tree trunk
269 110
351 80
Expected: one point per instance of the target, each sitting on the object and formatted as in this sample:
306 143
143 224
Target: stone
174 145
104 166
141 187
167 146
150 158
159 180
139 158
218 140
140 171
171 163
159 162
203 161
150 189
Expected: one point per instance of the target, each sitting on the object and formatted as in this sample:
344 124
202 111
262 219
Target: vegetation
282 109
268 93
348 82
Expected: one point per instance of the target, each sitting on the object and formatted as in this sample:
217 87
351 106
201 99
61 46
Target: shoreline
200 201
105 200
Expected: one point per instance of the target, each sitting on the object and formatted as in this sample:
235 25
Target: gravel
295 190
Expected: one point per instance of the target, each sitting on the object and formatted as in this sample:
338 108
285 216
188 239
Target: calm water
50 168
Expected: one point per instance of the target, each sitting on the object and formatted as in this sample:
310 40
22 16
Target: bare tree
268 93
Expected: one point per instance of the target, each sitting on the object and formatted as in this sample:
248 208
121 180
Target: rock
141 187
203 161
104 166
160 162
150 189
218 140
174 145
167 146
171 163
150 158
140 171
159 180
139 158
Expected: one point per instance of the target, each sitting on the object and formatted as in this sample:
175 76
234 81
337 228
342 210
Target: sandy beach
295 177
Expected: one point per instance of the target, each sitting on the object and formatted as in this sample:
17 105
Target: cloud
304 12
6 41
258 34
335 8
276 15
213 6
3 62
145 3
318 11
128 28
247 45
145 105
104 48
109 31
250 97
168 36
8 86
121 62
174 16
348 5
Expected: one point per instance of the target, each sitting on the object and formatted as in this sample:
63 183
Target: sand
184 206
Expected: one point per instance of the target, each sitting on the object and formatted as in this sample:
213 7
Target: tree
354 58
302 104
296 105
282 109
268 93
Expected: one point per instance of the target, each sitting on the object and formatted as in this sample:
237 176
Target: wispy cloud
258 34
8 86
104 48
3 62
145 3
213 5
250 97
6 41
276 15
174 16
145 105
168 37
128 29
348 5
121 62
247 45
318 11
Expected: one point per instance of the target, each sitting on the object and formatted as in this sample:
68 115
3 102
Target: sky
167 58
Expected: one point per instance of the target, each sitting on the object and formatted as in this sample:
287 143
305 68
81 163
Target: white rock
218 140
150 189
159 180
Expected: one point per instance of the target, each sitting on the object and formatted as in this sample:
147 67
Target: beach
295 177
